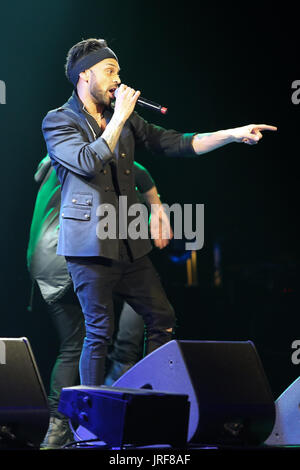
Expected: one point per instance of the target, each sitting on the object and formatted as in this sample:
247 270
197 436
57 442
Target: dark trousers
69 323
68 319
137 282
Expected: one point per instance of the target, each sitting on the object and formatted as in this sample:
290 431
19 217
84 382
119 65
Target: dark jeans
69 323
137 282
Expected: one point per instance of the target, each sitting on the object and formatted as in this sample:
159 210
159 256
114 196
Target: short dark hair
82 49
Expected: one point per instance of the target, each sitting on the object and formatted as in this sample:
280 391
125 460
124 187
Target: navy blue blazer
92 176
45 267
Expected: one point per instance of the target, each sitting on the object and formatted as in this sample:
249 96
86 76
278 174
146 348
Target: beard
99 96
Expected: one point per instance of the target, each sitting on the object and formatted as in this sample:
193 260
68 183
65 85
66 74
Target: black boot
116 370
58 435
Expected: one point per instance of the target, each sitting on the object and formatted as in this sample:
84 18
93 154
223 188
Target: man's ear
85 75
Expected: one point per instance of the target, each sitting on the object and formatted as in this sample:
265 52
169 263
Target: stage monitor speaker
119 416
230 398
24 413
286 429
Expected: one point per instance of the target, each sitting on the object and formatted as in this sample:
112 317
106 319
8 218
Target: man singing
91 144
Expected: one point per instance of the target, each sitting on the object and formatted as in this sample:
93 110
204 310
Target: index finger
265 127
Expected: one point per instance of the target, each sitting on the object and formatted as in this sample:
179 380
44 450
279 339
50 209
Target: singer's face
103 80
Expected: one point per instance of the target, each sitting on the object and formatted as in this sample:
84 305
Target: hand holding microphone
126 99
143 101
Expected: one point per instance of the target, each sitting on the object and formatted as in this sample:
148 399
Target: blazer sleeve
69 147
156 139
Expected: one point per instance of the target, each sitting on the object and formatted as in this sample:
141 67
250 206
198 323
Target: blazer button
86 216
74 201
106 188
127 172
89 202
123 155
105 172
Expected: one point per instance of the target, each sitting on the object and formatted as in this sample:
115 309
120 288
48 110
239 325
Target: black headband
88 61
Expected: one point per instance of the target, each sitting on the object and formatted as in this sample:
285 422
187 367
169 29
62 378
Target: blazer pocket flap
76 213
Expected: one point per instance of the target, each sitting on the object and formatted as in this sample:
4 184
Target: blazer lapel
73 106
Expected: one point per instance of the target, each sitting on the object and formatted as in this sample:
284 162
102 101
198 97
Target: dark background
215 68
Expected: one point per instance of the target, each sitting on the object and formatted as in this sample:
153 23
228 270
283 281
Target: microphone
148 104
